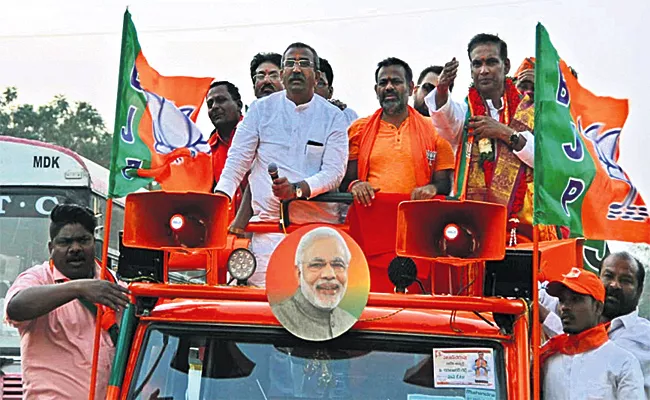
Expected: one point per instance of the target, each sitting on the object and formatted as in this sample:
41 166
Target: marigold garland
478 106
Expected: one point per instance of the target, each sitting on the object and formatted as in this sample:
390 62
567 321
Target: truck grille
11 386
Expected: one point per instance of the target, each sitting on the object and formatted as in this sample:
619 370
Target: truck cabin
217 337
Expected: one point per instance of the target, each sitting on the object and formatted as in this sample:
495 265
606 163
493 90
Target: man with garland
491 134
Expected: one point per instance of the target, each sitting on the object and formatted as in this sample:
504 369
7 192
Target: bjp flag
155 135
578 182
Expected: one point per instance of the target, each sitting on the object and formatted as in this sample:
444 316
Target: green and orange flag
578 182
155 135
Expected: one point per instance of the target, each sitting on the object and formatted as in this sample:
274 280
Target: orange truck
211 340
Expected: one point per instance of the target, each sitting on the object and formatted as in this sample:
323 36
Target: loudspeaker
137 264
421 226
510 277
151 220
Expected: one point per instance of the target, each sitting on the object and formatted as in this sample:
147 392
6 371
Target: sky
72 47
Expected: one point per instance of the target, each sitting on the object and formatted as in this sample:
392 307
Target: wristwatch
298 190
514 138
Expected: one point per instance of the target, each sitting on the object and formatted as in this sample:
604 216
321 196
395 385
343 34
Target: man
623 276
325 89
224 109
396 150
313 312
265 73
53 305
427 81
525 77
493 138
303 134
583 363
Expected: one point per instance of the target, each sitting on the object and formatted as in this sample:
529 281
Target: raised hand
447 76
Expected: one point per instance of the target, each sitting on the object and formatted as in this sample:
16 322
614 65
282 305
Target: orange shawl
421 144
575 344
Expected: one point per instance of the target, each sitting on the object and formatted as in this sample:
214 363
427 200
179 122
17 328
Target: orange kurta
391 161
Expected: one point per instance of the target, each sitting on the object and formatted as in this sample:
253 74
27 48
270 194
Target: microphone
273 171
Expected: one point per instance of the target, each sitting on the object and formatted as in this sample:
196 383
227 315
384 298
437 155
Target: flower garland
478 106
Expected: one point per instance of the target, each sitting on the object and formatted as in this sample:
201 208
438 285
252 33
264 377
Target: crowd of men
598 348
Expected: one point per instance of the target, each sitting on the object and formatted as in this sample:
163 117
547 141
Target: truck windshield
257 363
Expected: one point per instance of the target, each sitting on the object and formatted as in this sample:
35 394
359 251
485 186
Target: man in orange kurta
396 151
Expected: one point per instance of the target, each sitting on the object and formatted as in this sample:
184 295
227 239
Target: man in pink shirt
51 305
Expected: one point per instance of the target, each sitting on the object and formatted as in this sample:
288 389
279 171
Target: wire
284 229
388 14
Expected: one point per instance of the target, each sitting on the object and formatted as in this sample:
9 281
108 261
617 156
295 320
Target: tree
78 127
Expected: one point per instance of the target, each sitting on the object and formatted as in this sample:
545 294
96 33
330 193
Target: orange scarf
420 145
575 344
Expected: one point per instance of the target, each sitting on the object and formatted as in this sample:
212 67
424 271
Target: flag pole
108 212
102 276
535 336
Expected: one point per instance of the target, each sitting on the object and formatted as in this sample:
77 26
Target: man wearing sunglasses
304 136
427 81
313 312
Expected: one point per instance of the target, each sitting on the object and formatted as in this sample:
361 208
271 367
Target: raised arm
447 116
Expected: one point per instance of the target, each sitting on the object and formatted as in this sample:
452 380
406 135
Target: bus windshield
268 363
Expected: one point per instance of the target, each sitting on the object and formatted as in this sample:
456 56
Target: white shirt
450 120
350 115
605 373
632 333
629 331
307 142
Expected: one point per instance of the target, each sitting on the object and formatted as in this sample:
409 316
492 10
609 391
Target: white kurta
307 142
449 121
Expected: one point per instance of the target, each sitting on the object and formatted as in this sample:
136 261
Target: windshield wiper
149 374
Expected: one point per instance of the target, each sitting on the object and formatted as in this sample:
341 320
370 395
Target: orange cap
579 281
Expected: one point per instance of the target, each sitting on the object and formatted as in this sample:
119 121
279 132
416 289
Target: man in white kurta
304 135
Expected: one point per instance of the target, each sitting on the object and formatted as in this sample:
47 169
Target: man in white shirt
325 89
490 132
303 134
623 276
583 363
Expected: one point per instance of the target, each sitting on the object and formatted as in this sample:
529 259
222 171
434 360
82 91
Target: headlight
241 264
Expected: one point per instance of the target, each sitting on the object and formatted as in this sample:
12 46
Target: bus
35 177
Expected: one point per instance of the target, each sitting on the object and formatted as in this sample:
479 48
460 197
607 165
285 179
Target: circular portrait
317 282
